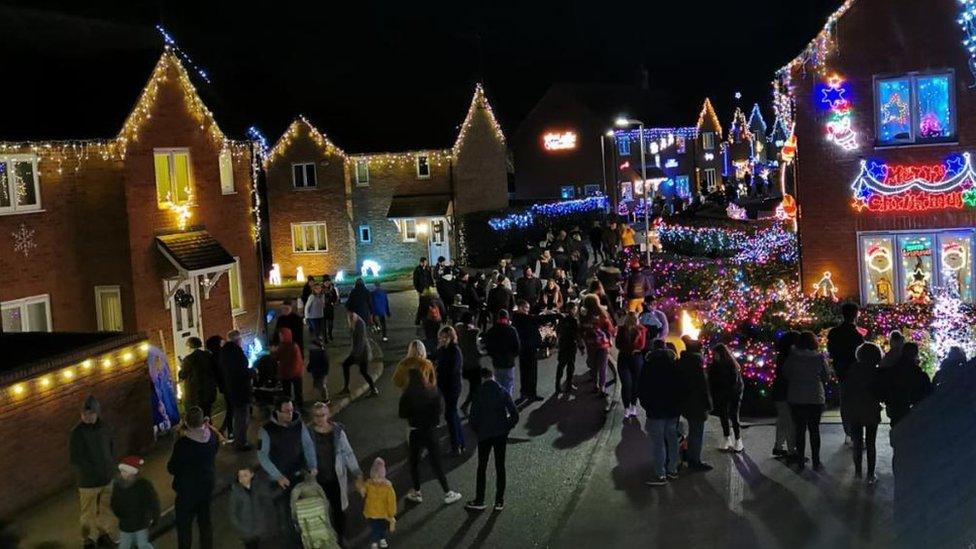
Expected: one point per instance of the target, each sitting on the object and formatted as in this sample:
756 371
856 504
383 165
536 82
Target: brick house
331 210
885 124
114 234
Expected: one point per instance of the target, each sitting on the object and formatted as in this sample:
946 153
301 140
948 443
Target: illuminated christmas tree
950 325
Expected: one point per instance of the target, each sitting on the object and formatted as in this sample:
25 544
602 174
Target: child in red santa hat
135 503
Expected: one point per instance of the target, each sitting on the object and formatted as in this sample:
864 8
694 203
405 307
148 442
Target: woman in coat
420 405
806 373
416 359
785 444
449 363
598 333
861 405
725 381
631 341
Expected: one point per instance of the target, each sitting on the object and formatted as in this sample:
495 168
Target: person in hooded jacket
726 385
698 400
252 507
421 406
904 385
360 301
862 406
290 366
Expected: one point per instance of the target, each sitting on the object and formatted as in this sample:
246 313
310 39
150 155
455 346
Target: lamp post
623 122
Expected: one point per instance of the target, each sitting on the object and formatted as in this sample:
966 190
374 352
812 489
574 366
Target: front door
440 241
186 320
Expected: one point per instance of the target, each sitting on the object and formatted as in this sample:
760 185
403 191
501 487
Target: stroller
310 512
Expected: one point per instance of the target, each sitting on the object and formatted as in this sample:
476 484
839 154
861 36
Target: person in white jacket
315 311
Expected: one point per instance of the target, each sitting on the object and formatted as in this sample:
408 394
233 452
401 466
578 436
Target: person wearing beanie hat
379 504
135 503
90 447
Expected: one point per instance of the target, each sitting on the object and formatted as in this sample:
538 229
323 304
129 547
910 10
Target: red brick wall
875 37
481 172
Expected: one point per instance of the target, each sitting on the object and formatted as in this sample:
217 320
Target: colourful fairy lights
882 187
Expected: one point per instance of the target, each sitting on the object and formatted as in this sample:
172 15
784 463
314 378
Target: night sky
389 75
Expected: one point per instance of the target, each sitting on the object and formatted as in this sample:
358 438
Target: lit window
19 188
409 230
30 314
423 167
915 109
108 308
303 175
626 191
309 237
591 190
362 173
235 288
365 234
567 192
174 182
683 186
708 140
708 178
623 145
681 144
226 162
905 267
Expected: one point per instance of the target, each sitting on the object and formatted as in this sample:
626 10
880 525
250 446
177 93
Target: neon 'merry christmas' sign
882 187
559 141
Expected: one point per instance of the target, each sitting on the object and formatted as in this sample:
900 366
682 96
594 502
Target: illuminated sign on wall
559 141
671 163
882 187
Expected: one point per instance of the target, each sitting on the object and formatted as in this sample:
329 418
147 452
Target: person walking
904 385
318 366
631 341
307 290
252 511
842 342
596 242
381 308
416 359
91 448
197 375
330 300
468 335
288 318
213 345
336 462
661 392
286 452
238 377
435 312
360 354
569 342
806 372
449 364
379 504
698 401
315 311
423 278
135 503
192 465
862 406
360 301
500 298
785 443
502 345
598 334
290 367
421 406
493 416
726 385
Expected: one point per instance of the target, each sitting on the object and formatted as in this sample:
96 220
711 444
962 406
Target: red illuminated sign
559 141
913 201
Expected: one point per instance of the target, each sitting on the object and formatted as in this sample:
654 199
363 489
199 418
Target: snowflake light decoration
23 240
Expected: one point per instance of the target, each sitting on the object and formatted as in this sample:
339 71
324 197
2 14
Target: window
708 178
623 145
683 186
30 314
174 183
19 188
362 173
226 162
309 237
423 167
903 267
409 230
365 234
567 192
591 189
681 145
626 191
303 175
708 140
234 286
916 108
108 308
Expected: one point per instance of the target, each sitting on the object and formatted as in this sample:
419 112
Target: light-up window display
905 267
894 111
955 264
916 268
879 270
933 106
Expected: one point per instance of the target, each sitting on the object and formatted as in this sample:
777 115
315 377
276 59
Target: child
569 341
251 507
318 366
379 506
135 503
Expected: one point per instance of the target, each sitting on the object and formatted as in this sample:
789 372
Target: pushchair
310 513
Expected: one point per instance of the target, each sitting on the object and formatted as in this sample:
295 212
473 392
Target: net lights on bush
527 219
882 187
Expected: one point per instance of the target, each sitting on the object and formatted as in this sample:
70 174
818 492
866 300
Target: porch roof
425 205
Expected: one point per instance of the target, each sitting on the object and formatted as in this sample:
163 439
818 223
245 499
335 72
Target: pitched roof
707 115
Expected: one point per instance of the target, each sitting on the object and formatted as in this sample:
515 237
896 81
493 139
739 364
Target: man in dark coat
423 278
237 377
493 415
192 465
197 375
842 342
662 390
500 298
530 340
288 318
698 400
90 447
502 345
529 287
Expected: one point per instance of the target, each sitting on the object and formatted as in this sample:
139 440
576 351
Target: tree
950 325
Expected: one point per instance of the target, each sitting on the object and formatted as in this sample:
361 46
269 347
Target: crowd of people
477 327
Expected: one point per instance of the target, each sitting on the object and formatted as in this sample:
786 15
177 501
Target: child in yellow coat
380 504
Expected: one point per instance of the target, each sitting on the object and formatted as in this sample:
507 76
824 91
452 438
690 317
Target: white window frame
708 177
304 185
170 153
25 302
913 115
225 161
369 230
365 163
99 290
406 230
426 158
305 249
235 271
708 141
14 208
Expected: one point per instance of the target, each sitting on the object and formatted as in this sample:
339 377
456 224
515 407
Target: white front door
186 320
440 240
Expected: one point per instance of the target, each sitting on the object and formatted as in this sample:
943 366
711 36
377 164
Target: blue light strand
524 220
254 134
171 43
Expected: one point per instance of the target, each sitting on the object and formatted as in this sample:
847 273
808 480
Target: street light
603 161
623 122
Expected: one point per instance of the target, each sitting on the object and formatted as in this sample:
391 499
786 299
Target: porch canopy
196 253
419 205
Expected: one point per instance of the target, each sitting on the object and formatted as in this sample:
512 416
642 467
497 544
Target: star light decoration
840 117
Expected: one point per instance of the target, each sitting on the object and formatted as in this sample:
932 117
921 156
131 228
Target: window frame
225 164
99 318
235 271
708 178
369 230
591 189
708 141
171 153
914 140
305 185
305 250
562 192
365 163
426 158
23 303
897 281
623 145
406 232
14 208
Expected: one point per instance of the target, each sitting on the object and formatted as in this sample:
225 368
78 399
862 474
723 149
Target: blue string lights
171 43
523 220
255 135
967 20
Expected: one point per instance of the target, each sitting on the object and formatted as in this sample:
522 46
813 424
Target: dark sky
393 74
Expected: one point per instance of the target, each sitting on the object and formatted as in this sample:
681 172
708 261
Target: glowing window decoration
956 267
682 186
623 145
915 109
932 103
559 141
882 187
840 116
906 267
878 270
917 268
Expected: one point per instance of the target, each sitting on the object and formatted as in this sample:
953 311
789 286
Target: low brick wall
40 404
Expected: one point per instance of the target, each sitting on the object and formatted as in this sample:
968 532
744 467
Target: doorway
186 320
440 241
